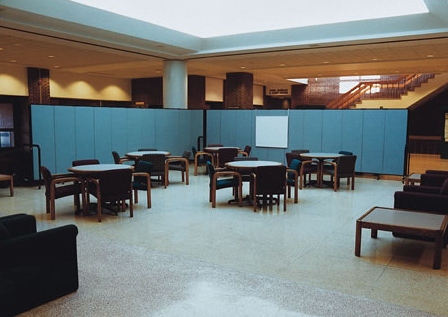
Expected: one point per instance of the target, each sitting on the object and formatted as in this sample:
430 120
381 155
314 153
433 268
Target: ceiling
46 38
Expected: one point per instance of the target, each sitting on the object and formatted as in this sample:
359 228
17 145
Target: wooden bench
9 178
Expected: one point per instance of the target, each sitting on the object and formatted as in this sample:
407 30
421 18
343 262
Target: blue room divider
377 137
66 133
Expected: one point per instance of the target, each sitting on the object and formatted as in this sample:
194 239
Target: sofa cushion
444 188
4 232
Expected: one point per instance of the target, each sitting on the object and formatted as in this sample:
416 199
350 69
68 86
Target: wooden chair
201 158
224 179
342 167
114 186
292 179
158 166
10 179
226 155
178 163
58 186
142 180
85 162
269 181
118 159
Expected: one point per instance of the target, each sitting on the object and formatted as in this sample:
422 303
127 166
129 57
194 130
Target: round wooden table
320 157
139 154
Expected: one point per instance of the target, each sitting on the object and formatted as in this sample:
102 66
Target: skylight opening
216 18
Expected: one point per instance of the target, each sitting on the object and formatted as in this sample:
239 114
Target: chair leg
136 196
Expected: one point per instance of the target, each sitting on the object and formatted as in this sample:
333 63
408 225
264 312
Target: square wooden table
407 222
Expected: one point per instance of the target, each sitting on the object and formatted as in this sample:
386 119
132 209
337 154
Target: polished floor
311 245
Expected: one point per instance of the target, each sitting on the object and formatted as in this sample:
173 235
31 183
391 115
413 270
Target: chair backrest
158 163
226 155
115 184
245 158
147 149
291 156
270 179
247 149
116 157
85 162
46 174
142 166
210 170
214 145
300 151
186 155
346 164
345 152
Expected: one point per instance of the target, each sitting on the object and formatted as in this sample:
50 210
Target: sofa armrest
421 201
421 189
55 245
19 224
435 180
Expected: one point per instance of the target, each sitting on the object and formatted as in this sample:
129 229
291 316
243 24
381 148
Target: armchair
58 186
118 159
201 158
114 186
342 167
142 180
158 166
36 267
268 182
178 163
292 179
226 154
224 179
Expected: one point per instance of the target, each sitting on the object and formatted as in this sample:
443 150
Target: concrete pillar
175 82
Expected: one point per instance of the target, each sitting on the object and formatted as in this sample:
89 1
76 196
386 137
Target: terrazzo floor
184 258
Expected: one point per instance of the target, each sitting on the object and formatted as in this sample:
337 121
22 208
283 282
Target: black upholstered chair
58 186
119 159
201 158
142 180
178 163
158 166
269 185
85 162
226 154
292 179
36 267
342 167
113 186
224 179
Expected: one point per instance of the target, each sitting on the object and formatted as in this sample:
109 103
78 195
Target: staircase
400 93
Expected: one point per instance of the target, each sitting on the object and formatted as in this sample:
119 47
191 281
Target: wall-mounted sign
278 91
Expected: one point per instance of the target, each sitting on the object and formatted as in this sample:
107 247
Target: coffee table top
404 218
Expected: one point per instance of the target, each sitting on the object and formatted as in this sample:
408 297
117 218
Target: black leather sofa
35 267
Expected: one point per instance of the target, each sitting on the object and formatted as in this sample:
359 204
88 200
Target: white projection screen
271 131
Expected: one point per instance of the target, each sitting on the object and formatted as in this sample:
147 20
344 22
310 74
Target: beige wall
13 81
68 85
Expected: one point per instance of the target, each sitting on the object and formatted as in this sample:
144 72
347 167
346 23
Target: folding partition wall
377 137
67 133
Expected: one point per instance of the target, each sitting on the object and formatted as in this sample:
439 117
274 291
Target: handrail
382 89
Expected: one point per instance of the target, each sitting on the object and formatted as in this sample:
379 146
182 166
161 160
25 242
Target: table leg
438 252
358 239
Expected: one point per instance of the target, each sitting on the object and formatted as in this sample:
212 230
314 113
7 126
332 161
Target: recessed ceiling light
242 67
282 65
430 55
50 56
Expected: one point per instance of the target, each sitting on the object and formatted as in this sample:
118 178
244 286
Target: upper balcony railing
392 89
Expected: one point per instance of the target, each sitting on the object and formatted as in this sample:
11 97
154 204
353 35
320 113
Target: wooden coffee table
406 222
